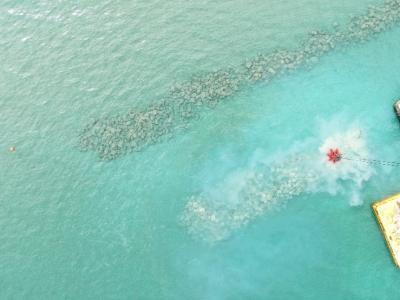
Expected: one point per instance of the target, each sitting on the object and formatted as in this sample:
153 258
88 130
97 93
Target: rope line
374 161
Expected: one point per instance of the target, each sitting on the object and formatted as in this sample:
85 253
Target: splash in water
268 183
351 144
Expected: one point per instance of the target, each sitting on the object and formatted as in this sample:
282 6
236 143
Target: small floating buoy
12 149
334 155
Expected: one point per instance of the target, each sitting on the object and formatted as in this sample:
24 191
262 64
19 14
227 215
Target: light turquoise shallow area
73 227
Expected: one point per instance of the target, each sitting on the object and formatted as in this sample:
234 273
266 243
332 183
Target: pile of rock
133 131
113 137
267 66
207 90
376 20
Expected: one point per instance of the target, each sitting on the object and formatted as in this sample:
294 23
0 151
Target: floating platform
387 212
396 107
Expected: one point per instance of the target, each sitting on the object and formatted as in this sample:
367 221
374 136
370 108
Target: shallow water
76 227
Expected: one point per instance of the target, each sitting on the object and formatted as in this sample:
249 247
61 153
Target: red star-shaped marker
334 155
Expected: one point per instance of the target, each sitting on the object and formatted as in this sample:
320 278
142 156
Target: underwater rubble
118 135
133 131
266 188
115 136
207 90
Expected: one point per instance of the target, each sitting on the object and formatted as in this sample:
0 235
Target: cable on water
372 161
334 156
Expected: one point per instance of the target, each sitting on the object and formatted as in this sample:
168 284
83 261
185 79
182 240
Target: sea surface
236 202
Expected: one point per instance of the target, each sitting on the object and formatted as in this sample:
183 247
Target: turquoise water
76 227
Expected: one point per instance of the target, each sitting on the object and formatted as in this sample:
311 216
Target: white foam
351 145
268 182
356 199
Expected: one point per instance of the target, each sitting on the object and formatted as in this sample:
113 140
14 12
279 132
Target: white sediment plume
352 145
214 214
356 199
266 185
134 131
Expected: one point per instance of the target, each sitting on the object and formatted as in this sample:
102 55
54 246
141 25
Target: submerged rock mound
133 131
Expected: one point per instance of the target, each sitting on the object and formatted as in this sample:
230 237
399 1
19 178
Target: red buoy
334 155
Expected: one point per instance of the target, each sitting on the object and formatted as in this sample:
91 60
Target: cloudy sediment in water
245 194
118 135
268 182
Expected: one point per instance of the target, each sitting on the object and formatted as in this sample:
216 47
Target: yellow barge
387 212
